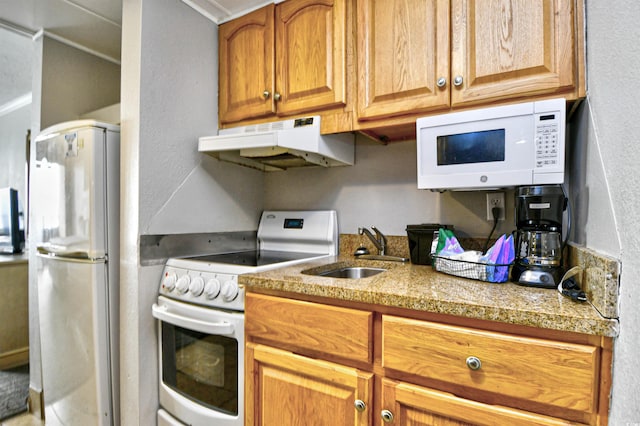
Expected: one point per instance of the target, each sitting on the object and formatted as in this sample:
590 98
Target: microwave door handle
214 328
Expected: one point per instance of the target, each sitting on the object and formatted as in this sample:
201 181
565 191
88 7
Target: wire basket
494 273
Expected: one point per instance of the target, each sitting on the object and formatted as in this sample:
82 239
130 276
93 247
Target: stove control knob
212 289
197 286
229 291
169 281
183 284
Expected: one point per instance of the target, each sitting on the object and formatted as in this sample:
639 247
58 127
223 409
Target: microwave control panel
546 140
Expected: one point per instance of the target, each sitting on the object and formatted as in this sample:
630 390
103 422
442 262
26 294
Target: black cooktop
254 257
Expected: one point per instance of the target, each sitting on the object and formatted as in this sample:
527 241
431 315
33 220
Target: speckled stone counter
421 288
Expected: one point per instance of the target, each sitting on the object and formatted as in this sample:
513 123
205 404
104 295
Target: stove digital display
293 223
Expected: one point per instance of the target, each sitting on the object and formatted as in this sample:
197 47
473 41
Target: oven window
474 147
202 367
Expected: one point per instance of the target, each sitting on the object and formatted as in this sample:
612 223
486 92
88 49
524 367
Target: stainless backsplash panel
156 249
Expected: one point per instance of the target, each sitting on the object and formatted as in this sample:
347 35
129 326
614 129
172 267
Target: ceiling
94 24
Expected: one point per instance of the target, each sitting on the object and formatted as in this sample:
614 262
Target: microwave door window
468 148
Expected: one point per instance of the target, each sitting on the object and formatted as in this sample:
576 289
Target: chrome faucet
380 241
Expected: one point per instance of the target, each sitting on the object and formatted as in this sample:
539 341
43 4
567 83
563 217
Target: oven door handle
214 328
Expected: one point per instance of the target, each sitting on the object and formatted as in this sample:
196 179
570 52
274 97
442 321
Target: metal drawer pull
387 416
360 405
474 363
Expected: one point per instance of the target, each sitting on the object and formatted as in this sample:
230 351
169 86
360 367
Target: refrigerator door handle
68 256
214 328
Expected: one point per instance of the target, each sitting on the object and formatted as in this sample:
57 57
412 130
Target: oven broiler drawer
346 333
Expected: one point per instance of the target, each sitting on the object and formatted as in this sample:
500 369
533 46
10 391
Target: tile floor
25 419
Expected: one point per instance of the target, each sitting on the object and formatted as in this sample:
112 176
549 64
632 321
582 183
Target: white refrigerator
74 199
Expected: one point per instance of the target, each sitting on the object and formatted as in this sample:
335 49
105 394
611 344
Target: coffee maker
538 237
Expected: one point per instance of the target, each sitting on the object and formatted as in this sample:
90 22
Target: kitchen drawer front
308 327
558 374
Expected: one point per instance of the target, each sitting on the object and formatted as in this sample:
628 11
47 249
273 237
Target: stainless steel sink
352 272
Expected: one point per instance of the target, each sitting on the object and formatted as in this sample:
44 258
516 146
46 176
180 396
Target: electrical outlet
495 199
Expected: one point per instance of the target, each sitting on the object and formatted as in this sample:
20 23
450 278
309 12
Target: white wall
13 150
169 87
612 140
74 82
381 189
15 106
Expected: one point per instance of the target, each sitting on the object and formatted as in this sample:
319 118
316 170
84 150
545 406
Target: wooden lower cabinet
311 363
561 376
288 389
406 404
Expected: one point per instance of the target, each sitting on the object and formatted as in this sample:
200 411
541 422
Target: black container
540 207
420 241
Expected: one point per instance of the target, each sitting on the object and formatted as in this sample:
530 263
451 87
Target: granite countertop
419 287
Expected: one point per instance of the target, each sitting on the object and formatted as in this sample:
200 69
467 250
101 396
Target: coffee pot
539 238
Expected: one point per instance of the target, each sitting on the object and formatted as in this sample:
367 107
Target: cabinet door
506 49
246 54
287 389
403 49
311 51
417 406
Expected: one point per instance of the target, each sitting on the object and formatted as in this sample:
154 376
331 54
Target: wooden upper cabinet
403 50
311 51
247 54
507 49
419 57
291 58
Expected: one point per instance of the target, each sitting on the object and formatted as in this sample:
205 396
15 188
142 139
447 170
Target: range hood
281 145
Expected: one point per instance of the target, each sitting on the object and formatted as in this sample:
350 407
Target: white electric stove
201 316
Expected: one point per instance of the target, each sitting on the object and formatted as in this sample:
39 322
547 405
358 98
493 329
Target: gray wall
169 87
611 149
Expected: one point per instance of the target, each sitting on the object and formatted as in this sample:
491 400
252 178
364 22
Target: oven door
201 363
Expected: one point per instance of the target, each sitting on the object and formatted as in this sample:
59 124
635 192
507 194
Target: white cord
570 273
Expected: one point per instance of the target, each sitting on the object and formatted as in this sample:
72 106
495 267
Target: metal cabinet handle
277 96
387 416
441 82
474 363
360 405
266 94
457 81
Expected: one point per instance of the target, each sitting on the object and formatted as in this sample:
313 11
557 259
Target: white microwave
498 147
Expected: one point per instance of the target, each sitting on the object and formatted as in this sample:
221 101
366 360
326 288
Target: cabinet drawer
563 375
310 327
